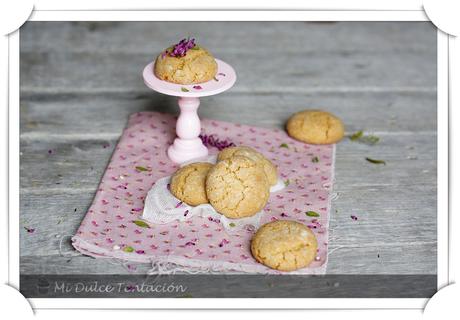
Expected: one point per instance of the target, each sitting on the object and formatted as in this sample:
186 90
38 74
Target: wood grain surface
81 80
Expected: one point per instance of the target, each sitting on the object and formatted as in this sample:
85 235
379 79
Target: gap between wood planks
44 136
269 90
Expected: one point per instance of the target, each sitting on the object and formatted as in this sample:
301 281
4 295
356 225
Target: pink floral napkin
112 227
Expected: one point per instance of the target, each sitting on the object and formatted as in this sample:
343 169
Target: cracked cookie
188 183
237 187
185 63
284 245
315 127
267 166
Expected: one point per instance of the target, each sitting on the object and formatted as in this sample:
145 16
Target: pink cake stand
188 146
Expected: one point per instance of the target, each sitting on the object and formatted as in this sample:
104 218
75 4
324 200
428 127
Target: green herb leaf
359 136
231 224
139 168
128 249
315 159
284 145
355 136
183 89
371 139
375 161
312 214
196 48
286 182
141 224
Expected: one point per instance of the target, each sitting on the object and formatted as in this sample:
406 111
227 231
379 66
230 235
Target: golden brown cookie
284 245
267 166
315 127
188 183
196 66
237 187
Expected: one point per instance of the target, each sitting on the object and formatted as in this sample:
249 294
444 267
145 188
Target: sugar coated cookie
284 245
188 183
268 167
315 127
237 187
185 63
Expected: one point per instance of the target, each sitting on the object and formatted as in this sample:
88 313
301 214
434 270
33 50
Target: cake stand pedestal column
187 145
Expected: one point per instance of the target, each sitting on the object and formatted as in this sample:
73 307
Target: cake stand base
185 150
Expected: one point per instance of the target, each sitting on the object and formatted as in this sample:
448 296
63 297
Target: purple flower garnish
197 87
212 141
29 230
140 251
179 204
180 49
354 217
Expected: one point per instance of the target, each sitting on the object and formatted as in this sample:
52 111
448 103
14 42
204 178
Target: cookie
188 183
284 245
315 127
267 166
237 187
196 66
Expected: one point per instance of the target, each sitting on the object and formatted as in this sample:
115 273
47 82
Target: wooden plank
294 72
50 115
280 37
405 259
80 164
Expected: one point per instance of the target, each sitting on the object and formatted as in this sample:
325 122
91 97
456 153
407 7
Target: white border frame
247 303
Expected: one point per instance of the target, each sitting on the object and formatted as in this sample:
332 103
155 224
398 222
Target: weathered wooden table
81 80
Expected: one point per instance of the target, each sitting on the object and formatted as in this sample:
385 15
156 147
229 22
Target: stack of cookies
238 186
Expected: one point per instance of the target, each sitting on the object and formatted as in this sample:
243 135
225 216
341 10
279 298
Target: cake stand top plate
226 77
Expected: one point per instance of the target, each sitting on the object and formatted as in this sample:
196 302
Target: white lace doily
162 207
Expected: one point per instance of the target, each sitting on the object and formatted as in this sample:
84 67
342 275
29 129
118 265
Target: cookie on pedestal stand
188 146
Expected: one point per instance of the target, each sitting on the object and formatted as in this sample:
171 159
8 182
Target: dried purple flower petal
354 217
213 141
197 87
29 230
179 204
180 49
